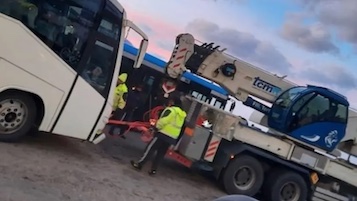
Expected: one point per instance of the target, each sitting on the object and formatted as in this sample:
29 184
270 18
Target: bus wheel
17 115
244 175
285 186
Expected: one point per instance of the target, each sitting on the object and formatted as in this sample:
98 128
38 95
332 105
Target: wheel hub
12 113
244 178
290 192
10 117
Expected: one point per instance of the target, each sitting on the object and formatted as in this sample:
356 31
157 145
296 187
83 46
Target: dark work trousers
118 114
159 144
128 111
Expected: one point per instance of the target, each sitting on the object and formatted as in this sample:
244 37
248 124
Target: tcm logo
265 86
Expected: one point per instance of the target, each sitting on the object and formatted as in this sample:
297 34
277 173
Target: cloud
146 28
336 14
314 38
314 77
241 44
161 33
311 4
332 76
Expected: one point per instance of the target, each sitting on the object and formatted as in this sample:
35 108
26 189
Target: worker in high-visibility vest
133 102
168 130
119 100
120 92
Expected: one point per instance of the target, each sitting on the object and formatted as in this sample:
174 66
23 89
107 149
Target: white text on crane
265 86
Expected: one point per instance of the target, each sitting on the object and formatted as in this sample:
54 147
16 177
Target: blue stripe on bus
148 57
190 76
203 82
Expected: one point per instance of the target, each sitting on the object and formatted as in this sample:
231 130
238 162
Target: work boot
152 172
136 165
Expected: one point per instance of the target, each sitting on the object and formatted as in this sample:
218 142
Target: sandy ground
53 168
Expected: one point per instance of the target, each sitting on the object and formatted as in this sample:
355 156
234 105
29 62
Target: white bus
59 63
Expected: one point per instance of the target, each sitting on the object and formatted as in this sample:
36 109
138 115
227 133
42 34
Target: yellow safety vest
171 125
119 101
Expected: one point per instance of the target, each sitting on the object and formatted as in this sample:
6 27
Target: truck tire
17 115
244 175
282 185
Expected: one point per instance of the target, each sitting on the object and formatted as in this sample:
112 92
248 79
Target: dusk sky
311 41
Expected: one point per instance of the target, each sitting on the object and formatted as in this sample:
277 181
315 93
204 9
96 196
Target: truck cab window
341 115
317 109
287 97
312 111
335 113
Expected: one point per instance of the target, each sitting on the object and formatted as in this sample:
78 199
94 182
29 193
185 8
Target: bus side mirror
141 54
143 44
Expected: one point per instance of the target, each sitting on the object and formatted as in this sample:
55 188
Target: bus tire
285 185
244 175
17 115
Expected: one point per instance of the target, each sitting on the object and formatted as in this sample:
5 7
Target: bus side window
150 81
63 25
23 10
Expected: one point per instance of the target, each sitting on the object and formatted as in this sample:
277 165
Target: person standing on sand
168 130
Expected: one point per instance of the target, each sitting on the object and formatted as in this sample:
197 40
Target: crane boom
238 77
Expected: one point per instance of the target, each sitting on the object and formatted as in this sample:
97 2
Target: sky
311 41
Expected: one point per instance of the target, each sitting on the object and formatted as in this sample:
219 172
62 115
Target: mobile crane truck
309 151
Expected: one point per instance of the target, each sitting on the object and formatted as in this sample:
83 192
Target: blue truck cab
311 114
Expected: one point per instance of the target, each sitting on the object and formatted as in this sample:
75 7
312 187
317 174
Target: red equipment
144 127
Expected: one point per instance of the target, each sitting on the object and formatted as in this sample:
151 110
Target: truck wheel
17 116
285 186
244 175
